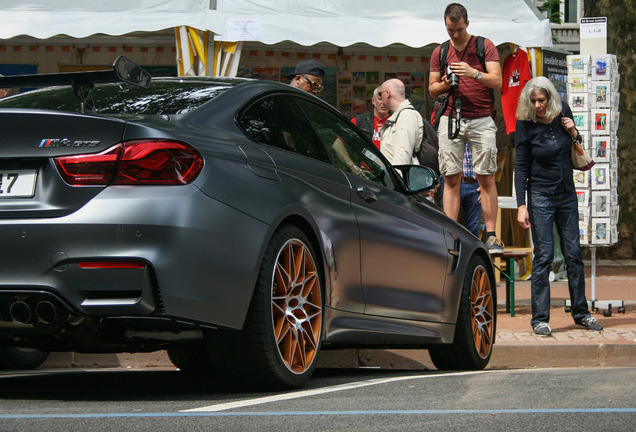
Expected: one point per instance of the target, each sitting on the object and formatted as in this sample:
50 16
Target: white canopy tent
377 23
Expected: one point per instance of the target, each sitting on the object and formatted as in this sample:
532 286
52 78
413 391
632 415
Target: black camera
452 78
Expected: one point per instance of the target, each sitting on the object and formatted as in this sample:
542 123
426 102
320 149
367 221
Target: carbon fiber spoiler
123 70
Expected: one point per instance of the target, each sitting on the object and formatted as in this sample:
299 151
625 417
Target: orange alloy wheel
482 312
296 306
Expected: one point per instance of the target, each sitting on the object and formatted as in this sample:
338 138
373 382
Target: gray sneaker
542 329
494 245
590 323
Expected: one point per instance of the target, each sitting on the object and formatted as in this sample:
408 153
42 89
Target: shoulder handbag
581 160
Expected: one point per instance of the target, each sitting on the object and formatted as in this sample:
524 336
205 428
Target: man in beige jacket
401 135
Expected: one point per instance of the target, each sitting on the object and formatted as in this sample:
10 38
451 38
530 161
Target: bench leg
510 287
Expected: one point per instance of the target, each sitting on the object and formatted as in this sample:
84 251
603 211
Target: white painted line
320 391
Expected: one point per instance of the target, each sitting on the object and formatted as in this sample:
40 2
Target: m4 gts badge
65 142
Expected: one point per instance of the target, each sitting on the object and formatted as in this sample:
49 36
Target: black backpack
429 147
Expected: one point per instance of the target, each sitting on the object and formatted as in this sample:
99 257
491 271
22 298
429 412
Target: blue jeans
469 203
469 200
545 210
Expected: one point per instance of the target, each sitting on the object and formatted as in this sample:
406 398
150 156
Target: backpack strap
481 55
443 52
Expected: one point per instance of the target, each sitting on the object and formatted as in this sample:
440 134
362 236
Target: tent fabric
306 22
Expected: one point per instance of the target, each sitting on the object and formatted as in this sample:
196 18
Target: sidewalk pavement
516 344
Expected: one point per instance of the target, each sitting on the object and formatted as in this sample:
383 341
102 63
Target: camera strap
456 105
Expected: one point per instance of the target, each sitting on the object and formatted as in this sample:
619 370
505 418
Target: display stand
593 97
595 304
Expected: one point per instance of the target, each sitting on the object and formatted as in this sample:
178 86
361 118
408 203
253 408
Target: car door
404 256
309 184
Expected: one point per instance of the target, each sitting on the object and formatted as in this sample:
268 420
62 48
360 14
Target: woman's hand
569 125
522 217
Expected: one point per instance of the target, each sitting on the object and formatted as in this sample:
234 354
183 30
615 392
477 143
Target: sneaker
542 329
590 323
494 245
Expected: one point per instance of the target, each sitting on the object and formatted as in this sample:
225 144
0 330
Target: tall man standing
401 134
476 126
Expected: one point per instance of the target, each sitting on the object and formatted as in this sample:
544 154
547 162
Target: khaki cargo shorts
481 135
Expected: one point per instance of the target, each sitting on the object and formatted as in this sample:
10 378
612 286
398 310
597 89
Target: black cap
308 67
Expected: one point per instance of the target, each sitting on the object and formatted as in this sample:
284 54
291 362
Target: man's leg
489 203
452 184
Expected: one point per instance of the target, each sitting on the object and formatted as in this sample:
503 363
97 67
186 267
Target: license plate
17 183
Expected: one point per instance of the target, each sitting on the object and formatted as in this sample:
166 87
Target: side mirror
418 178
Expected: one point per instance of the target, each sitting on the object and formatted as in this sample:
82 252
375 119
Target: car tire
192 358
17 358
279 344
476 323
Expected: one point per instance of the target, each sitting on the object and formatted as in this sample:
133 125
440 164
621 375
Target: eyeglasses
315 87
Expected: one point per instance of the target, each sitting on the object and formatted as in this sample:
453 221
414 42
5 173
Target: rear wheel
18 358
476 323
279 344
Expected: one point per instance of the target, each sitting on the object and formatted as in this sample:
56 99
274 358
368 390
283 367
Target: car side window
348 150
276 120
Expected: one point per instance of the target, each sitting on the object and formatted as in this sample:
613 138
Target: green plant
552 9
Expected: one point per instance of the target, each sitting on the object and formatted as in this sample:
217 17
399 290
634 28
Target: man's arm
437 84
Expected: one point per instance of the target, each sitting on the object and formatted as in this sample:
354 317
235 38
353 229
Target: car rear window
162 97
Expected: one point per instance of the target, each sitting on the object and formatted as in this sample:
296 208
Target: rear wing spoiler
124 70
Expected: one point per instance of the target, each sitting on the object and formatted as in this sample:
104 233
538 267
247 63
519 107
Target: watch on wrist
478 76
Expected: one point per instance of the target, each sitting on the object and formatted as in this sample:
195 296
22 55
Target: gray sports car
242 225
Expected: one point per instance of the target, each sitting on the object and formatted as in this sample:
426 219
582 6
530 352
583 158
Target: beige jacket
400 139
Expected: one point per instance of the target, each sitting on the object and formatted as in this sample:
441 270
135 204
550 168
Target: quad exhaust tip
44 312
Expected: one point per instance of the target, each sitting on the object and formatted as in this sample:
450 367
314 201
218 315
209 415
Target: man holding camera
471 107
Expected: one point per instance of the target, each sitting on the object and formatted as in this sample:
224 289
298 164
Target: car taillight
133 163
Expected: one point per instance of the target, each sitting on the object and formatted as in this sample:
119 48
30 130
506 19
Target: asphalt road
335 400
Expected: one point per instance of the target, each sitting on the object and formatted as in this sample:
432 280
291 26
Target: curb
505 356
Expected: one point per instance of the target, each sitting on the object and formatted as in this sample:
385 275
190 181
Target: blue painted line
324 413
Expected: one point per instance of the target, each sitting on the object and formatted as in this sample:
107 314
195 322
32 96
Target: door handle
367 195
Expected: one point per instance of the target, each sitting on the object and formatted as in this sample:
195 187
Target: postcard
601 122
600 176
601 203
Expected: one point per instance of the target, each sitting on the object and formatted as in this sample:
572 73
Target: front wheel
476 323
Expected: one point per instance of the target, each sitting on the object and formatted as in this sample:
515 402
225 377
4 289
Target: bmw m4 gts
241 225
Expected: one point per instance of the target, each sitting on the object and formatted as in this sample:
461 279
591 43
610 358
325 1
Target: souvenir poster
601 203
603 67
578 64
581 179
579 101
601 122
600 150
600 176
578 83
373 78
601 230
581 120
583 196
358 78
601 94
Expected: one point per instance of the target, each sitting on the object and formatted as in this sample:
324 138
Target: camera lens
452 78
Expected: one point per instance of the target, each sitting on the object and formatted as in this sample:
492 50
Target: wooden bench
509 256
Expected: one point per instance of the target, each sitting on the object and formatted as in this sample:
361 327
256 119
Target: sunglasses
315 87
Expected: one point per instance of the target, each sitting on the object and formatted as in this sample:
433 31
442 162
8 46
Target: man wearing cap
308 76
